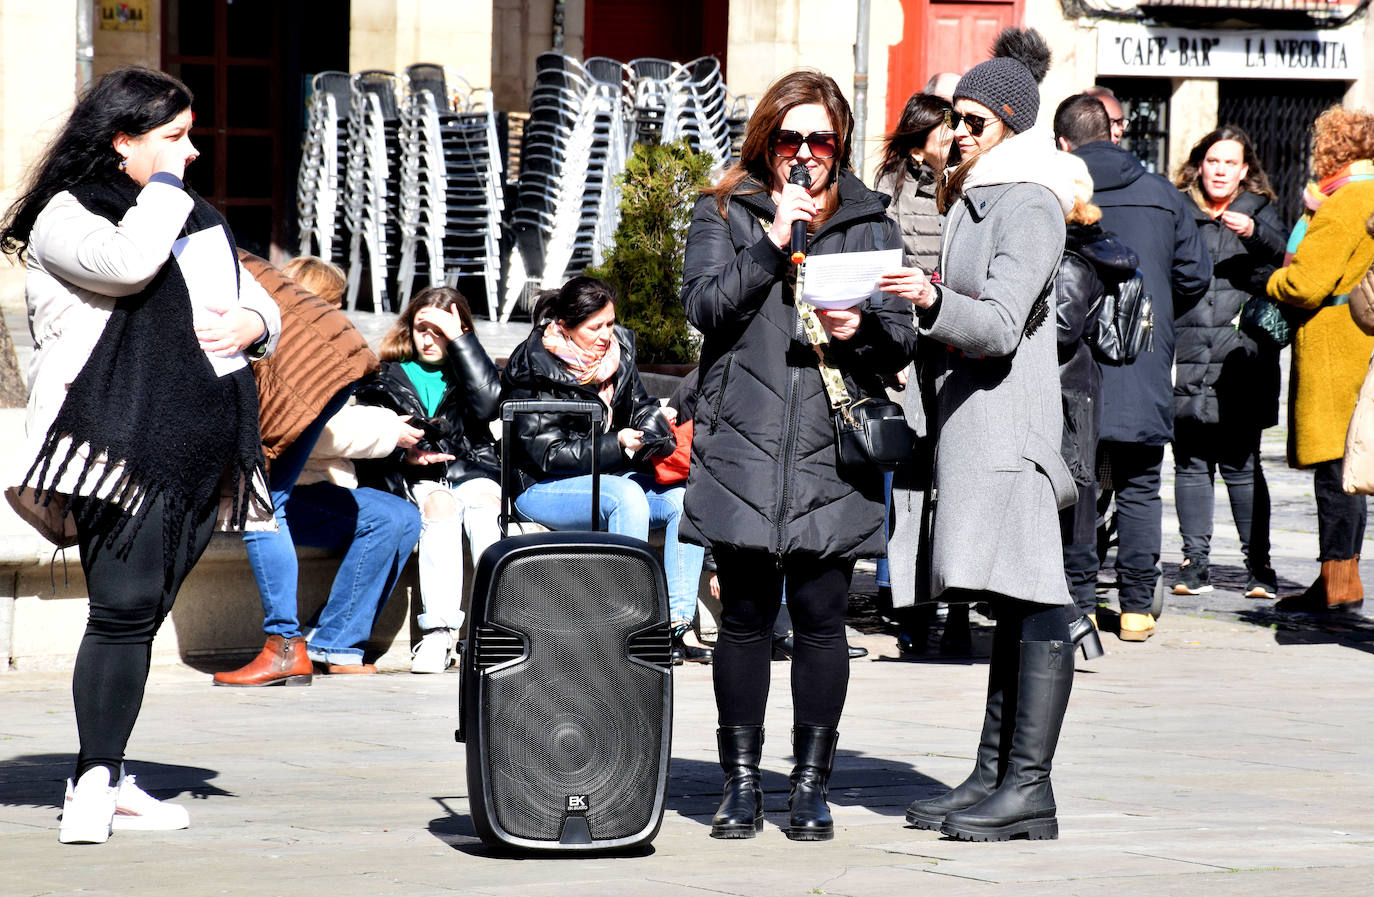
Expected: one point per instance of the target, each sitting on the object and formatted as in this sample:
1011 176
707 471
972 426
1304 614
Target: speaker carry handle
594 411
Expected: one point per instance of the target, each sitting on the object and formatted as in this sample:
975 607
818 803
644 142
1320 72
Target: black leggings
130 594
751 590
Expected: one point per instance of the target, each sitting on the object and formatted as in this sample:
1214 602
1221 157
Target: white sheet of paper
208 267
845 279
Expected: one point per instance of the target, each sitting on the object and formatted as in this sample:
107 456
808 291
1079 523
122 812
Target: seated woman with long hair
576 350
436 372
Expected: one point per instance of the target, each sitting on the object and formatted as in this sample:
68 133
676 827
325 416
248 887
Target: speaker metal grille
577 717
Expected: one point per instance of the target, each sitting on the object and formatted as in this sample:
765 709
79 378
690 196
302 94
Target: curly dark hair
131 100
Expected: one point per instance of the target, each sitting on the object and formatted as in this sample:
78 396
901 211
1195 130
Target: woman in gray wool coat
991 532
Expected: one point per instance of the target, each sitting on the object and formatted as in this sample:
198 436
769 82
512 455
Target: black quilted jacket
763 473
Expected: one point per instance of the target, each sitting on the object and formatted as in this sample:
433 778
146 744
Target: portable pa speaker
567 692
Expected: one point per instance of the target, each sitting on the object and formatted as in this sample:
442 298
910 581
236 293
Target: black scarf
149 401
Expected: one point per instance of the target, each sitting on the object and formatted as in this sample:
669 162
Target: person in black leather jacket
577 351
435 371
1226 382
1093 261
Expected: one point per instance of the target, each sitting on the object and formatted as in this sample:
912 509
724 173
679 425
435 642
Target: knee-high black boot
1024 802
814 747
741 808
991 760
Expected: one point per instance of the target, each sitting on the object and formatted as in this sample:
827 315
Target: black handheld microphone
802 177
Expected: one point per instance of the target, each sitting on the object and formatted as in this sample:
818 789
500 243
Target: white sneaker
136 811
88 808
434 653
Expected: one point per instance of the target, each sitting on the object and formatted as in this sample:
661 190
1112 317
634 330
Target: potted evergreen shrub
644 265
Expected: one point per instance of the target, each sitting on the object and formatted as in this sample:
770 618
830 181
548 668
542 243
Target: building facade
1179 66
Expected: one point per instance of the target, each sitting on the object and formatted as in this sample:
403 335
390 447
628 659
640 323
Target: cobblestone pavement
1226 756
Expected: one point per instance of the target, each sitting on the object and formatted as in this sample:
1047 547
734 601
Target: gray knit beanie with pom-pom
1008 83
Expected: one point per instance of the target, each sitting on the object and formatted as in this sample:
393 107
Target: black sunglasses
976 123
786 144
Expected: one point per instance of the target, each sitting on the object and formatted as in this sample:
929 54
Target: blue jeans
272 555
882 575
376 531
631 504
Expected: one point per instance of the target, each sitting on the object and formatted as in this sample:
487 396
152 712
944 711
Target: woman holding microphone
765 490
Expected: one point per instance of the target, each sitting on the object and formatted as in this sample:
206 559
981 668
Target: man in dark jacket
1151 217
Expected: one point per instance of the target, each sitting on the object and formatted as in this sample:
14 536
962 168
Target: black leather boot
814 747
1083 632
991 760
1024 803
741 808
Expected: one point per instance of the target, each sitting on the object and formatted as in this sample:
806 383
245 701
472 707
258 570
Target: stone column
37 89
1192 115
392 34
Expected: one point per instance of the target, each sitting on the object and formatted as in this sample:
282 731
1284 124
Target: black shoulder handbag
869 432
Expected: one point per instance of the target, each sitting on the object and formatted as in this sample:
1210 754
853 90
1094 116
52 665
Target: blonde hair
320 277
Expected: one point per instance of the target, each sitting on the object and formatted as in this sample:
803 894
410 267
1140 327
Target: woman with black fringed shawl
142 412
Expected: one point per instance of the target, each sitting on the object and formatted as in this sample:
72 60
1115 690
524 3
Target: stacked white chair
451 184
575 145
372 185
698 109
320 194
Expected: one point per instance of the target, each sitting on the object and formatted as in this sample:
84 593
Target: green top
431 382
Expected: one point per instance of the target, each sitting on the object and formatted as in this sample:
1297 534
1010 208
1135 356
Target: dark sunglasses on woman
975 123
786 144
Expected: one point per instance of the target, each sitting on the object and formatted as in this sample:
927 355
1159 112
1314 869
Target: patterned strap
817 337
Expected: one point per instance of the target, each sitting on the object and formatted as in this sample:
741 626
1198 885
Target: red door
942 36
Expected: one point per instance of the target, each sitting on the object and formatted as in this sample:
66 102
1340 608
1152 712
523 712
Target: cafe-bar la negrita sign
1146 51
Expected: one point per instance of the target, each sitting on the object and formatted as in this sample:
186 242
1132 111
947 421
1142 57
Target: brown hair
324 279
924 112
1340 136
797 88
399 343
951 186
1256 181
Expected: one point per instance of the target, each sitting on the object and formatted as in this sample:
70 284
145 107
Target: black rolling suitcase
567 690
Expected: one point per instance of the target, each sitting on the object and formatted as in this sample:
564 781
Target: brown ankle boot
1344 591
283 661
1338 588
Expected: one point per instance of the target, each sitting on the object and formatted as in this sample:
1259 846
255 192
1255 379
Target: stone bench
217 617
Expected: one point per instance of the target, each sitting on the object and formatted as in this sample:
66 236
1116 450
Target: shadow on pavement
38 780
883 786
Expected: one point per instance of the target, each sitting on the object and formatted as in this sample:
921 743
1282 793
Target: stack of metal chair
698 108
372 185
320 194
651 87
575 144
451 195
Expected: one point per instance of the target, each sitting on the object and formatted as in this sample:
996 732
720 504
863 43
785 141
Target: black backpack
1123 325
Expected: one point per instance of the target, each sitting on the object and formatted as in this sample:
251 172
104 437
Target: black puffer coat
1154 219
1093 260
763 473
1221 375
554 446
459 426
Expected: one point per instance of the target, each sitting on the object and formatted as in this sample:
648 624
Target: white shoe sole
83 834
135 823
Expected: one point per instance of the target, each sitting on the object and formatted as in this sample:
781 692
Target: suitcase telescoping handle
594 411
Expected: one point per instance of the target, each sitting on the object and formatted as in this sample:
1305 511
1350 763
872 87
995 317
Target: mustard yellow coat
1330 354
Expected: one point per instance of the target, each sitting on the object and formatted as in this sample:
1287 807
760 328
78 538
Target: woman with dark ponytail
576 350
141 404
